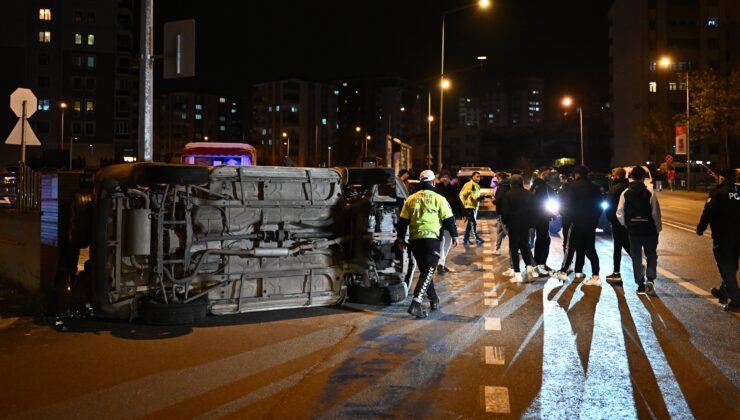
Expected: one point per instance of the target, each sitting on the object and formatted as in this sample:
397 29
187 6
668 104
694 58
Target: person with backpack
722 213
639 211
619 233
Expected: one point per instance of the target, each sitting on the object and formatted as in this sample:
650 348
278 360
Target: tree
656 128
715 106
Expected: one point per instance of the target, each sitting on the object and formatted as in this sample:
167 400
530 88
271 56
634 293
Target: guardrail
20 188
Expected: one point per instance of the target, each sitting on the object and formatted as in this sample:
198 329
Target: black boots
416 310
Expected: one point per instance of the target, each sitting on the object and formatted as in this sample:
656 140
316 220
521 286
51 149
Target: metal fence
20 188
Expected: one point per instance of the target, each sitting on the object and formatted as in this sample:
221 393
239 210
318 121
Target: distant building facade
184 117
695 34
80 53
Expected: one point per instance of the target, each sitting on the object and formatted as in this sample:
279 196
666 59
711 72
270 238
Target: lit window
269 109
44 14
222 100
221 128
233 110
672 86
90 62
198 116
91 39
336 93
222 118
653 86
77 106
323 121
78 39
43 104
277 108
682 86
183 116
653 65
264 132
344 84
45 37
293 109
198 107
713 22
89 106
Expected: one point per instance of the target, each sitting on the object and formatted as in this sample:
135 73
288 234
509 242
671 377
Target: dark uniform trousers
726 254
426 253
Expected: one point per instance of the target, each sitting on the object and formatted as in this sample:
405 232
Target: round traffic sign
669 158
16 102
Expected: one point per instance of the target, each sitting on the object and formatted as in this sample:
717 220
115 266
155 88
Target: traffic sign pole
23 133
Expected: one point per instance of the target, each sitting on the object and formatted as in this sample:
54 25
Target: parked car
170 243
486 192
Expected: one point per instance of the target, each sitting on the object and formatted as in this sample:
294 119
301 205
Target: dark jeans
621 241
568 247
649 245
542 242
519 243
726 253
472 225
426 253
584 242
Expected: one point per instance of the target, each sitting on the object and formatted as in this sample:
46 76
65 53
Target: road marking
493 355
486 245
490 301
683 283
488 285
490 293
492 324
683 226
496 399
487 267
488 276
488 259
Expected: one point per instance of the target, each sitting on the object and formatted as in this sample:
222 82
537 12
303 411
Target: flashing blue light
604 205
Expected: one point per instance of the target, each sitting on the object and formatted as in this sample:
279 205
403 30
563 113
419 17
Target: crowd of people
524 215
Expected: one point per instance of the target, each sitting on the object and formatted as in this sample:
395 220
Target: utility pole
146 79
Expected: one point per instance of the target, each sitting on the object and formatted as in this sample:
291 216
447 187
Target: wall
20 248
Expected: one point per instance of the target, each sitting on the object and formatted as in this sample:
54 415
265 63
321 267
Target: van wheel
154 312
397 292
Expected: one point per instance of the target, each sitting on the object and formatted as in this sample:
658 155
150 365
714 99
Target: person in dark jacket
518 215
544 195
581 203
722 213
504 185
446 190
639 211
619 233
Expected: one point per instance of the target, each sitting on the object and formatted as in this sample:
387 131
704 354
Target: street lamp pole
580 118
688 141
63 106
429 130
441 98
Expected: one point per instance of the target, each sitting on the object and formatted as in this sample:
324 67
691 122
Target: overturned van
170 243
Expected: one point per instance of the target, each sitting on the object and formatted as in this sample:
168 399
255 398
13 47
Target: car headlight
552 206
604 205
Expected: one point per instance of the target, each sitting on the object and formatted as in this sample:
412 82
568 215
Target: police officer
427 213
470 197
722 213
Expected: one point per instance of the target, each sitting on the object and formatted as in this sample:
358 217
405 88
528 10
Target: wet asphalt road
497 349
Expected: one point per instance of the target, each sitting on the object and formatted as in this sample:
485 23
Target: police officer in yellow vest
427 213
470 197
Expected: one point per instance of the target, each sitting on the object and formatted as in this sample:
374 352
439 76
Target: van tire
153 312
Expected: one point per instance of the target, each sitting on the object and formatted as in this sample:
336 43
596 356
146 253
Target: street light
567 102
287 143
63 106
665 63
328 164
482 4
367 139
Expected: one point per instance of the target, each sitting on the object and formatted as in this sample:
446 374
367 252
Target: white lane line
487 276
490 293
492 324
494 355
488 285
487 267
488 259
496 399
490 301
683 283
486 245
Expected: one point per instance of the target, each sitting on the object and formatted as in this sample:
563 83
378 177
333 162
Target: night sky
564 42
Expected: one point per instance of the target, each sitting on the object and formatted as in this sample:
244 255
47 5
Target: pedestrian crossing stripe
493 355
496 399
490 302
492 324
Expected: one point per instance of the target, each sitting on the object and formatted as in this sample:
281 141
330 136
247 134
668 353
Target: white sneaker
516 279
561 275
542 270
530 272
579 276
650 288
496 252
593 281
510 272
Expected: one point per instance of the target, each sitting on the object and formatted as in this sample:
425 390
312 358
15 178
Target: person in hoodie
504 185
582 206
518 215
639 211
619 233
543 195
722 213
